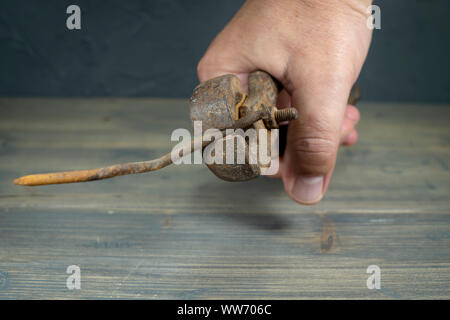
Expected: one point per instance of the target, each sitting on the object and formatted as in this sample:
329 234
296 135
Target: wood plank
182 233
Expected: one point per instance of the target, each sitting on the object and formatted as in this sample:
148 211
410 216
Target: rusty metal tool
219 103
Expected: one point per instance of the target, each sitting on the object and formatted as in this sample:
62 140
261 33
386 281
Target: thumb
313 139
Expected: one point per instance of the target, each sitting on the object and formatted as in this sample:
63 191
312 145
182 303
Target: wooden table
182 233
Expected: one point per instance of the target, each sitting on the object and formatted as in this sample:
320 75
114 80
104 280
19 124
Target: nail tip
307 191
309 203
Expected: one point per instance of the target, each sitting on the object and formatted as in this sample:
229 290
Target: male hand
316 49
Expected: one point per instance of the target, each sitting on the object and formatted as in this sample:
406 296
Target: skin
316 49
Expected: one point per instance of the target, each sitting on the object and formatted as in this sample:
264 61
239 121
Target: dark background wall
151 48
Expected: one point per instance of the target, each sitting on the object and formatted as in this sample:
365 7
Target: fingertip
351 138
347 127
305 190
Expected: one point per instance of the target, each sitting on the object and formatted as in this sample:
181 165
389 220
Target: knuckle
315 153
315 146
315 149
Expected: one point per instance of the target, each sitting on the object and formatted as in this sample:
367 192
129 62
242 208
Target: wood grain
182 233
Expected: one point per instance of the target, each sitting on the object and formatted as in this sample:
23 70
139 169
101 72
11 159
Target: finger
351 138
349 135
219 60
313 139
352 113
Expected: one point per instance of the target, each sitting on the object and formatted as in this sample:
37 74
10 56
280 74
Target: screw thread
285 114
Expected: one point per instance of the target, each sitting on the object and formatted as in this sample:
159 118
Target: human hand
316 49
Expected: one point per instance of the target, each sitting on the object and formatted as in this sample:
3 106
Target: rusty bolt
285 115
275 116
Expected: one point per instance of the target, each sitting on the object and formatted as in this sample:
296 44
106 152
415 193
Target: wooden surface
182 233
